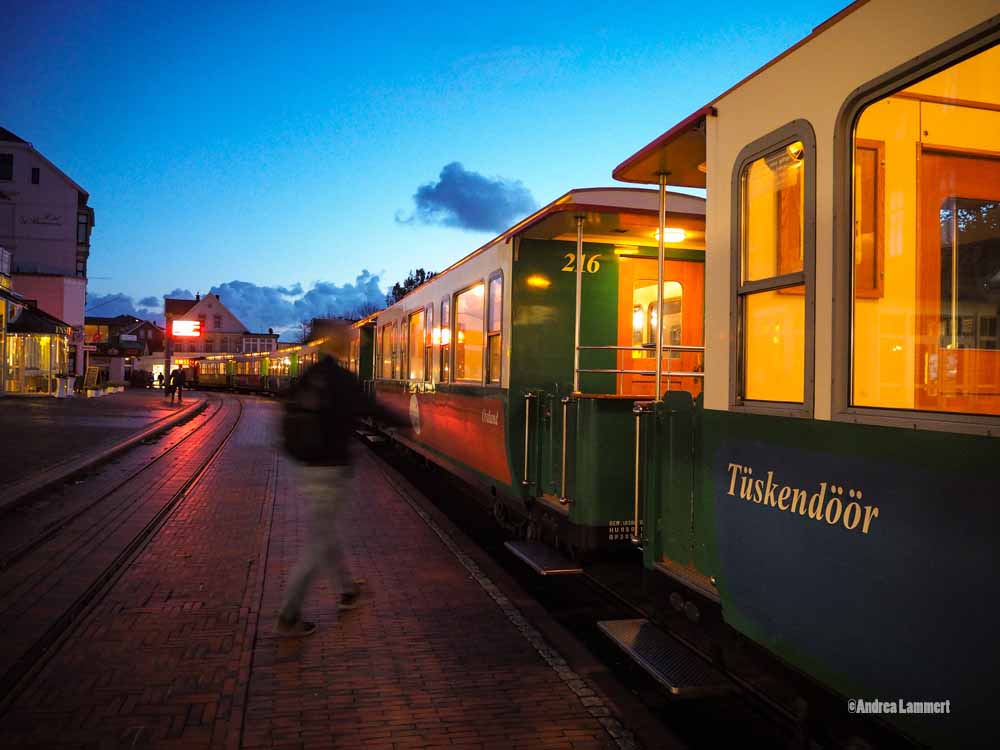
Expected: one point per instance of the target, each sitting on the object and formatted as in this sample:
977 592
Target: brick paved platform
39 435
180 652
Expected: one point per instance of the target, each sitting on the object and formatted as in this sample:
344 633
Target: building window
216 322
924 315
469 333
445 341
494 338
6 167
35 175
415 342
82 233
773 270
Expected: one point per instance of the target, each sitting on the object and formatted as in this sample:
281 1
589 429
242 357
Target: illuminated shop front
36 353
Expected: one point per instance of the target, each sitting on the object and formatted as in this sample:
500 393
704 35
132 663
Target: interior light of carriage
479 290
445 336
795 151
538 281
671 234
638 319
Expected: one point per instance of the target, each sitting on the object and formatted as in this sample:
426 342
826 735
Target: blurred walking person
176 385
317 428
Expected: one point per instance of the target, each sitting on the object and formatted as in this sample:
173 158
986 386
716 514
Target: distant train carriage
483 359
847 452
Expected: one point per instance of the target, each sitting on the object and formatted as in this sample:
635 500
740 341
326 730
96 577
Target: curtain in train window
444 333
469 333
494 339
925 310
772 290
415 344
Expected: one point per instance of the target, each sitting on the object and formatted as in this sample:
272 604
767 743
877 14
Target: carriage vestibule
926 244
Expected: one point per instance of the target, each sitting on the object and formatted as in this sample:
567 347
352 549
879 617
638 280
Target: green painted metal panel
293 367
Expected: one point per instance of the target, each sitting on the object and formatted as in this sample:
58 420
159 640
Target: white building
45 223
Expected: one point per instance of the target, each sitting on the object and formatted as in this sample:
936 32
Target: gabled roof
178 306
7 136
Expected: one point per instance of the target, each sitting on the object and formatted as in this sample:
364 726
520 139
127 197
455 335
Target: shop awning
33 320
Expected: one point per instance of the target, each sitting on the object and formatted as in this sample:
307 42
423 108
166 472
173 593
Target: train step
681 671
543 559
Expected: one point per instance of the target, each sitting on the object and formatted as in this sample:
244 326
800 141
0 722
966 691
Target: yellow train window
927 188
469 333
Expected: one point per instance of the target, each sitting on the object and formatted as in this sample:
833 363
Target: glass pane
494 358
927 339
496 303
415 355
644 321
469 334
774 338
387 352
772 214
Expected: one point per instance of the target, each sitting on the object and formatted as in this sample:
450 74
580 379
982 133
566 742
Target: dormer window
6 167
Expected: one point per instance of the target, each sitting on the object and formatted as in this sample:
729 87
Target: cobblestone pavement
180 652
39 432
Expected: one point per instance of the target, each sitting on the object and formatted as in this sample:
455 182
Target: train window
924 316
386 350
774 198
429 343
444 334
415 346
494 338
469 333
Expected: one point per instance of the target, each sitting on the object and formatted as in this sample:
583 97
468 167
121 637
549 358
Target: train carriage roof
680 152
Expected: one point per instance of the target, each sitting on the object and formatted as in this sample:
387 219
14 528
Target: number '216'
591 263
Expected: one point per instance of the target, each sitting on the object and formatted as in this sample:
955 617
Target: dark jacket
177 378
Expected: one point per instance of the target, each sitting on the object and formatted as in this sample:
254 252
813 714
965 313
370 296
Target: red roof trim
688 123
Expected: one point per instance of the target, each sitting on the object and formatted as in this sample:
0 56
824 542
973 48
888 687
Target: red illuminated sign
185 328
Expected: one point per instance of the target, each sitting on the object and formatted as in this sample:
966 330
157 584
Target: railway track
49 582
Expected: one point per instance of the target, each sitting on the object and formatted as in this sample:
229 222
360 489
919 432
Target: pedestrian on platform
318 424
176 385
159 380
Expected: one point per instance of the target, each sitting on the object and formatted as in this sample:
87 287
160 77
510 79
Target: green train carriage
845 458
482 357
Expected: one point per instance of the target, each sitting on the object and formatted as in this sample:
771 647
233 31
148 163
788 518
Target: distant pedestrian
318 423
159 380
149 378
176 385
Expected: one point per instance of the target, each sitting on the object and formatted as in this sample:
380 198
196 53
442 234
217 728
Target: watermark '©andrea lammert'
898 706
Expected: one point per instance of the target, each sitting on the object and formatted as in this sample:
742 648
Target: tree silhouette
415 279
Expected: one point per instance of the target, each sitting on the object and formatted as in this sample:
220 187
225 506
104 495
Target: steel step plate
543 559
673 665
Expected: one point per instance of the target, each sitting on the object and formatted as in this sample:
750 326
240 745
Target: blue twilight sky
282 145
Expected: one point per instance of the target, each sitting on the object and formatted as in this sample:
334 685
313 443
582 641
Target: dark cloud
469 200
110 305
283 308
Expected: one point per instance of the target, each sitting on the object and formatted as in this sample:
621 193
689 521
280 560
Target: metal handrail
635 528
651 347
672 373
562 488
525 482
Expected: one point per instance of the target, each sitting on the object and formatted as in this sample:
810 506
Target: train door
683 316
958 283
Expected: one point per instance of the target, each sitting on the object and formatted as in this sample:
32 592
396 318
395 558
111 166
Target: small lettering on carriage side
622 530
490 417
827 503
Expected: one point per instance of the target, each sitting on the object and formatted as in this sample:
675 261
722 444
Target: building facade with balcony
45 224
